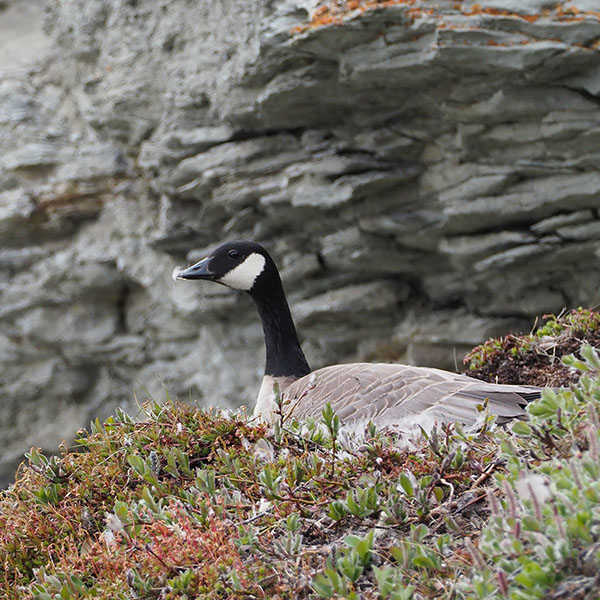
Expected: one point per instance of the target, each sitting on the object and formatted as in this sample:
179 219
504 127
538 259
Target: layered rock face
426 175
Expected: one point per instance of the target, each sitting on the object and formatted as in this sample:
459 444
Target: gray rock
346 251
585 231
32 155
508 258
397 166
251 156
526 7
476 187
16 208
367 301
520 304
23 41
526 202
588 80
92 161
469 249
516 103
552 224
576 31
587 5
199 138
441 338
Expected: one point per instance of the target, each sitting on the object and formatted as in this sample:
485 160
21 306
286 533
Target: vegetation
535 359
187 503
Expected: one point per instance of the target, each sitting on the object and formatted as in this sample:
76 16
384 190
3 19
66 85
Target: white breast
265 402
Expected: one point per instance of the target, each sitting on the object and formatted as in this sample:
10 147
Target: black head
247 266
238 265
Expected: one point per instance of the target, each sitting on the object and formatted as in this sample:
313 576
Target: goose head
240 265
247 266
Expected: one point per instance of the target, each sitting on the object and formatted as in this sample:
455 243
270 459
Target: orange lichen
335 12
476 9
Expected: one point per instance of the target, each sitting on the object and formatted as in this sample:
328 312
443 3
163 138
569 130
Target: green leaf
572 361
521 428
65 594
149 500
406 484
337 510
121 510
138 463
352 505
591 356
424 562
236 584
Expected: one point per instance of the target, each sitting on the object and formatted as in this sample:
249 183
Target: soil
539 364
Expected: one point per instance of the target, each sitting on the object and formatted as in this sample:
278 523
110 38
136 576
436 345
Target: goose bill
198 271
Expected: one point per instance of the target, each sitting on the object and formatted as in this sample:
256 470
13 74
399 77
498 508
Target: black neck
284 354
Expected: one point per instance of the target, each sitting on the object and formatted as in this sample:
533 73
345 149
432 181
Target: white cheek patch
245 274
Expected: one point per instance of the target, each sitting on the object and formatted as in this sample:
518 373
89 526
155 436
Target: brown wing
388 394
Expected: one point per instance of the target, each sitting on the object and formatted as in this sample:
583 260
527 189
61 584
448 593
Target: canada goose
389 395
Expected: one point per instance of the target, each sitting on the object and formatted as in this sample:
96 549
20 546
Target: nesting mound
535 359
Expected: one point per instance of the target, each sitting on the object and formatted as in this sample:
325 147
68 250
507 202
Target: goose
402 397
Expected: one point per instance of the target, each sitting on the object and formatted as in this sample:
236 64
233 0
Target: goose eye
233 254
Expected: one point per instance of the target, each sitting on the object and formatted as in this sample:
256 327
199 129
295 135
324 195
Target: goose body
389 395
402 397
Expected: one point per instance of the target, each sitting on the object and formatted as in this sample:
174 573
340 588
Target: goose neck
284 356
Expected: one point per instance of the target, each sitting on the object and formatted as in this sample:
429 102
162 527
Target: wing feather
388 394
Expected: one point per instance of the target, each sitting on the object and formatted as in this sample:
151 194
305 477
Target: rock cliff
425 172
